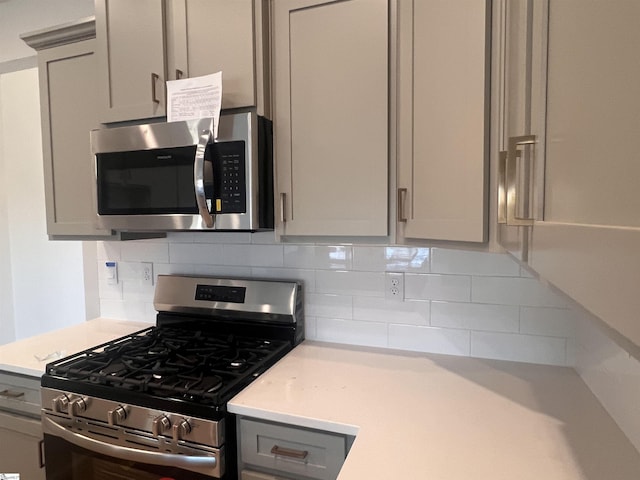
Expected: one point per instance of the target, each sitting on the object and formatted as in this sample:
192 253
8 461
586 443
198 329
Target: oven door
82 450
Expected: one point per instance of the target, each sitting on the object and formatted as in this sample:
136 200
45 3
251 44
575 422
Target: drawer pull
289 452
11 394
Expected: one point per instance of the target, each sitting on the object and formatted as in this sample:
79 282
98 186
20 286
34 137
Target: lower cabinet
20 429
272 451
21 440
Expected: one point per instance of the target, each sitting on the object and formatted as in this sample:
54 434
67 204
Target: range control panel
218 293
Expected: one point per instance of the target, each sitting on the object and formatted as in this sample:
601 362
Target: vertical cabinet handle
402 200
502 187
154 80
41 454
283 216
511 180
179 74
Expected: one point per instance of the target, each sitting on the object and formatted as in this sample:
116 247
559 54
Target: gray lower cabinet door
289 451
21 440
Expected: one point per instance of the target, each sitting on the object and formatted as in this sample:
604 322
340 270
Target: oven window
65 461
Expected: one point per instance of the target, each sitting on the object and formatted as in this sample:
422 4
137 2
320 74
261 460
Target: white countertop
20 356
436 417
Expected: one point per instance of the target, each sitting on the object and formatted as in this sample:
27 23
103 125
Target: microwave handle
198 178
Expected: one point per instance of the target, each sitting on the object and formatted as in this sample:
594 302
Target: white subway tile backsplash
366 284
253 255
351 332
520 348
127 310
475 316
221 271
307 276
310 328
454 288
513 291
263 238
553 322
318 257
612 375
452 297
390 311
329 306
145 251
429 339
195 253
472 263
391 259
232 238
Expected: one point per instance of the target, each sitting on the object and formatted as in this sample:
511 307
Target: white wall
47 285
22 16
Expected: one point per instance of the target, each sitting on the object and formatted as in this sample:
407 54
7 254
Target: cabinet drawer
19 393
292 451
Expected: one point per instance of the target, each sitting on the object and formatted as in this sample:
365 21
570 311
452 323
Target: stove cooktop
191 370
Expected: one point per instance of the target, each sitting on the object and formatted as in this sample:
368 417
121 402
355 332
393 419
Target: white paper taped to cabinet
194 98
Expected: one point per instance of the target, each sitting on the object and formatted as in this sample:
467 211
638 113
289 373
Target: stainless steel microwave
175 176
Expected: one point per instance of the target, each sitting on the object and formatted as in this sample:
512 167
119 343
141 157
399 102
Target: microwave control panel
229 176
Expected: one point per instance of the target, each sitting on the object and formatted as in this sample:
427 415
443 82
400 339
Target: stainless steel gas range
152 405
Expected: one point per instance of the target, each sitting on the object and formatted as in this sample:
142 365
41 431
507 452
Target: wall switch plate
394 286
111 272
147 273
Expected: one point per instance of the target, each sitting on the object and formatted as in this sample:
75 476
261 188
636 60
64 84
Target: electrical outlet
394 286
147 273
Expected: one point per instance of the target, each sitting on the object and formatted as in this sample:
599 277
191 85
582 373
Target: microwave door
199 163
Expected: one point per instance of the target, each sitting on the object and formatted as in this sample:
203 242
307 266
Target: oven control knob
117 415
77 406
180 430
160 425
60 404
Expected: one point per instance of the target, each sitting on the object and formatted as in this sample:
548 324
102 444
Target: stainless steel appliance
152 405
175 176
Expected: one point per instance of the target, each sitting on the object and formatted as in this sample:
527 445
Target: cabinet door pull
402 201
511 181
289 452
283 216
179 74
41 454
11 394
154 80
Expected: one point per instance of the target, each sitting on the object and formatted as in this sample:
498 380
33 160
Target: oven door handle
126 453
206 136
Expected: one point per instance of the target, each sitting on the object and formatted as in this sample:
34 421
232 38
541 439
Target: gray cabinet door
442 120
207 36
21 453
586 235
520 119
69 107
131 59
331 68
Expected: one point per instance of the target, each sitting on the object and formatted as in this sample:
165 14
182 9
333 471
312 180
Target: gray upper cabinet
131 60
331 69
587 227
68 102
569 193
442 120
143 44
